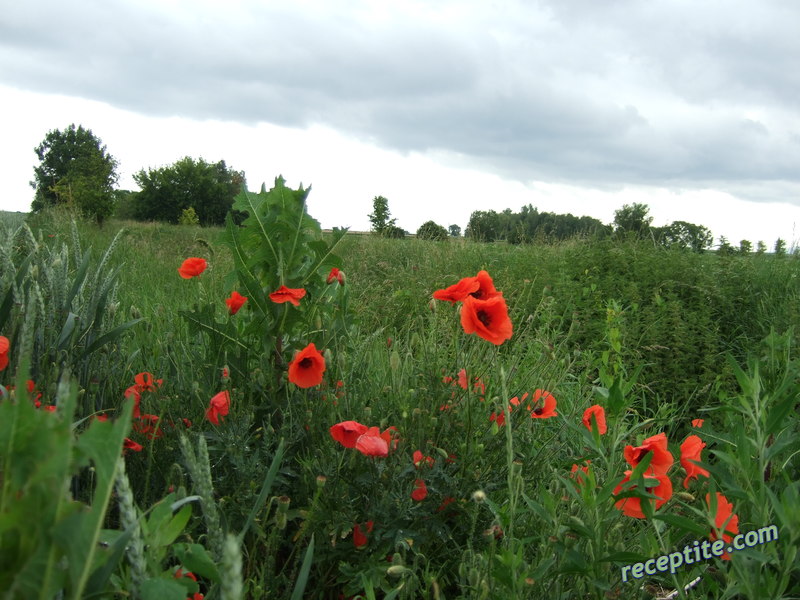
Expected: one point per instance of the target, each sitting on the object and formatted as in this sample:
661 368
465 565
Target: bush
431 231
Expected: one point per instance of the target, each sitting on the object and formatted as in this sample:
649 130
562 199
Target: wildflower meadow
267 410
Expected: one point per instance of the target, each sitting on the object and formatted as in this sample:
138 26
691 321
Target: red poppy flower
577 472
374 443
145 382
487 318
498 417
420 491
348 432
359 535
545 405
660 485
445 503
4 347
50 408
307 367
419 459
697 423
335 275
725 521
599 414
192 267
459 291
133 391
690 451
131 445
662 458
285 294
218 407
462 379
33 393
486 287
181 573
235 302
147 425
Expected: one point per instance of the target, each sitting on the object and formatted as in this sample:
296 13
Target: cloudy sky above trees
443 107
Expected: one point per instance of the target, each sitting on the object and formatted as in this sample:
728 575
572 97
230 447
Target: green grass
656 336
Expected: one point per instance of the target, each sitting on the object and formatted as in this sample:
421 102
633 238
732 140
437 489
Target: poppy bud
396 570
321 480
416 412
327 355
318 321
394 360
367 411
474 577
280 513
432 305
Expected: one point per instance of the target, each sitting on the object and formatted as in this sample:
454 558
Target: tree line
76 170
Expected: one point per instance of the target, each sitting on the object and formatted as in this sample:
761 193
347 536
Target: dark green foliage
125 204
683 235
632 219
209 188
529 225
780 247
455 230
432 231
75 170
725 247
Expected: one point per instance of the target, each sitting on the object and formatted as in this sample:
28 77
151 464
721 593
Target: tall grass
658 337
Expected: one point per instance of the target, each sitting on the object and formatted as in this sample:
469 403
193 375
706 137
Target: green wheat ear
231 574
129 518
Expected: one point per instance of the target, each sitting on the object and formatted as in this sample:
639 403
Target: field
425 461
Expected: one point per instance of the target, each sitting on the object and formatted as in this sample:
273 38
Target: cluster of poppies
483 309
656 480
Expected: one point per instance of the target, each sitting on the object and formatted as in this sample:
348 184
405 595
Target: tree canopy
208 188
76 170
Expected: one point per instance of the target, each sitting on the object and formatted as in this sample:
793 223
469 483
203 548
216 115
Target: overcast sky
444 107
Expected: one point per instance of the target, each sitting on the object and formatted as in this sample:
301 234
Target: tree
632 219
780 247
75 170
432 231
680 234
761 247
379 217
745 247
208 188
725 246
455 230
483 226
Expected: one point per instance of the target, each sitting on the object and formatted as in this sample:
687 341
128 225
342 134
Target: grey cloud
598 93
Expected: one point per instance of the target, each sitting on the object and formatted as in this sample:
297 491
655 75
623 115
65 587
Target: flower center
484 318
305 363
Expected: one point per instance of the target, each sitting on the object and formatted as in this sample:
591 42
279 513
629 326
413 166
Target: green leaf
265 488
305 569
162 589
196 559
683 523
110 336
